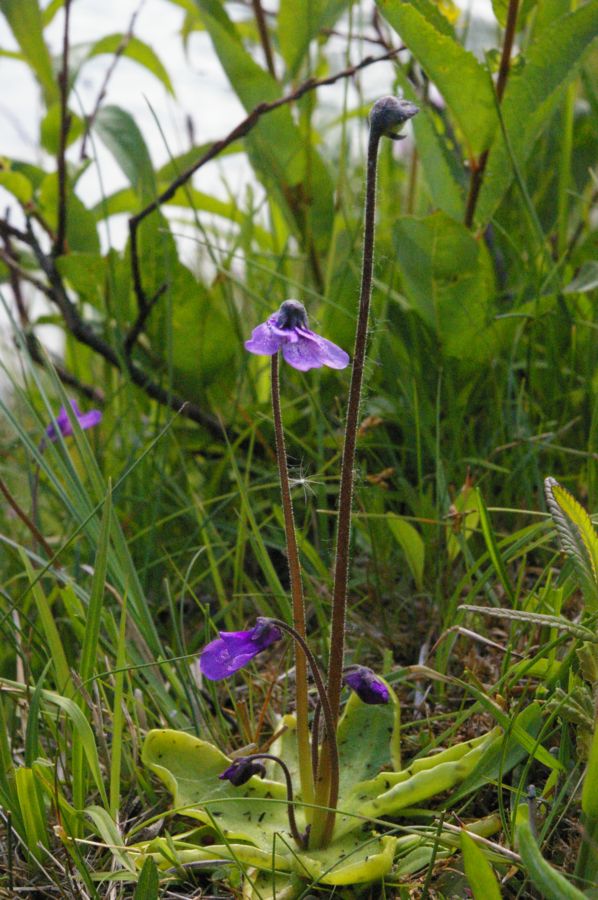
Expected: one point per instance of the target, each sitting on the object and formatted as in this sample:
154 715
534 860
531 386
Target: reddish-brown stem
478 166
65 124
262 28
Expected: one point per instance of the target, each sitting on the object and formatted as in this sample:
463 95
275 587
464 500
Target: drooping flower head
389 114
234 649
366 684
241 770
288 330
86 420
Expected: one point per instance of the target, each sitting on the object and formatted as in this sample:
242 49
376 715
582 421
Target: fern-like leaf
577 536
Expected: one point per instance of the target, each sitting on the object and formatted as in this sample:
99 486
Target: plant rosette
248 826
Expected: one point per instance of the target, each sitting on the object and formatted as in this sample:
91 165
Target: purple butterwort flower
86 420
366 684
234 649
241 770
288 330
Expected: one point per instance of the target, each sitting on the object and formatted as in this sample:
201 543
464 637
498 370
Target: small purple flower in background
288 330
366 684
241 770
86 420
234 649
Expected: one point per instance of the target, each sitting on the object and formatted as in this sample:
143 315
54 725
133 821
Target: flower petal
86 420
311 351
234 649
367 685
265 340
334 356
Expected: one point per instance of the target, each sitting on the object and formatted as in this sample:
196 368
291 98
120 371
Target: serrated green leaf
121 135
448 281
463 82
531 96
26 23
442 170
577 536
136 50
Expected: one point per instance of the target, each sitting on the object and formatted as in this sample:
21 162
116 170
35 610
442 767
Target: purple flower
366 684
241 770
86 420
234 649
302 348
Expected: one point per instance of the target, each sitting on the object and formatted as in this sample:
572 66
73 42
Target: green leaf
120 134
25 20
577 536
551 884
148 886
532 95
17 185
478 870
448 281
412 545
299 22
427 783
463 82
81 231
50 129
190 768
136 50
111 836
442 170
585 280
86 274
33 812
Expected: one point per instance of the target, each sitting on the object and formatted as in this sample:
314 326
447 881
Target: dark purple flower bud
234 649
86 420
366 684
288 330
389 114
241 770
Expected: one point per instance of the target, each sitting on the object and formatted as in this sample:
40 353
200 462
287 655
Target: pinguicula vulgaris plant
341 767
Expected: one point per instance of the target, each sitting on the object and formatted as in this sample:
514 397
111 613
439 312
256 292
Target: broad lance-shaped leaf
531 97
463 82
576 535
290 167
299 22
135 49
448 280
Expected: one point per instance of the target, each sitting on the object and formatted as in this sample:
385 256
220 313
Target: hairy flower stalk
241 770
303 749
386 118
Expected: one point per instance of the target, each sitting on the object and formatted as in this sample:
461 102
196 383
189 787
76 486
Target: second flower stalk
288 330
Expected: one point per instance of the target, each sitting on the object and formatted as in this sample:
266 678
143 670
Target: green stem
330 744
303 745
